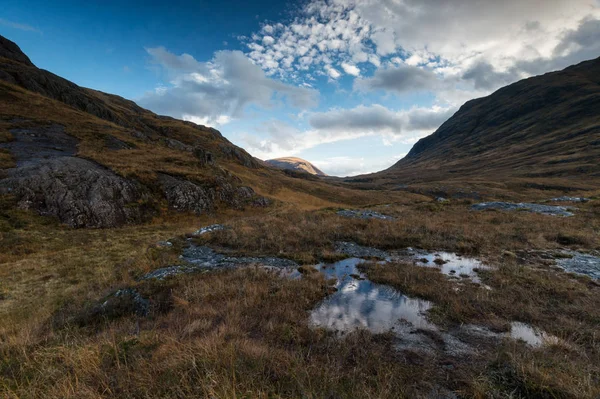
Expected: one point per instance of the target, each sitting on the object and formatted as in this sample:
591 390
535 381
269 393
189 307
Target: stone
203 258
358 251
176 144
34 144
124 302
187 196
363 214
535 208
570 199
114 144
205 157
77 191
208 229
581 263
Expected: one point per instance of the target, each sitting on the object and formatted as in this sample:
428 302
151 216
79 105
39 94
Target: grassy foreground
244 333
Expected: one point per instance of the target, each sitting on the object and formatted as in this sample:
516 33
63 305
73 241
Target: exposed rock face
185 195
79 192
205 157
297 164
176 145
11 51
188 196
239 154
31 145
114 144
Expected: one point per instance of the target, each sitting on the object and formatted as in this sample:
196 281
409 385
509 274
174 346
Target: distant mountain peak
294 163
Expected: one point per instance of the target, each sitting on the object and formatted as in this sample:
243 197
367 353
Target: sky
349 85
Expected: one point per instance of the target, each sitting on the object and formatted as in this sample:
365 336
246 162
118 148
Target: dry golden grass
245 333
429 225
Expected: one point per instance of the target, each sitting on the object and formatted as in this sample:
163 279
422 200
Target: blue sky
349 85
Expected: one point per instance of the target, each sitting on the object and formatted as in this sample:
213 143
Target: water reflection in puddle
450 264
360 303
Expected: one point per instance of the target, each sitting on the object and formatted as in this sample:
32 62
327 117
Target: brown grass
566 308
309 236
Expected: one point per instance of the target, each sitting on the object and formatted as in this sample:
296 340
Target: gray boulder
79 192
187 196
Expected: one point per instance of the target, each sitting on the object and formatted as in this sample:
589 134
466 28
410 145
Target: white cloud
377 119
281 139
19 26
449 37
217 91
348 166
350 69
332 72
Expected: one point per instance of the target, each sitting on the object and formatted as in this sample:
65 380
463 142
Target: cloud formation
214 92
401 79
16 25
406 126
487 42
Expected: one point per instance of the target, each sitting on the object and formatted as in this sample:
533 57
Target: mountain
543 126
93 159
296 164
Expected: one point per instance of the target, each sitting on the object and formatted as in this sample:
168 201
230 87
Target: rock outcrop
57 162
79 192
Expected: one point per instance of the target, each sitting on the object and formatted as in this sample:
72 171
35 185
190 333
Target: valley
147 257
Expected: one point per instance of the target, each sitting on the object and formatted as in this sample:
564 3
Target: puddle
580 263
450 264
360 303
532 336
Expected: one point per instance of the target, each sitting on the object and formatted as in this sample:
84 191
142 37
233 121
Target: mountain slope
97 160
93 159
297 164
544 126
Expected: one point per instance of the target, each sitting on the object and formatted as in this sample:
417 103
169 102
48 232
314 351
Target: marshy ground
250 331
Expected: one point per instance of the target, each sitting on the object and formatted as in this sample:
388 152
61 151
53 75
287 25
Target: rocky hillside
544 126
296 164
97 160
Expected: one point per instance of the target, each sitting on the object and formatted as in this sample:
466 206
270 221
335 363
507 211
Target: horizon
348 87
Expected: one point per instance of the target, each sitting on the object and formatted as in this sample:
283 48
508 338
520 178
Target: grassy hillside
544 127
